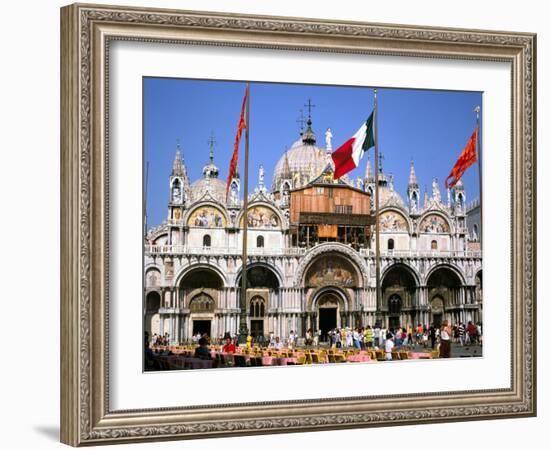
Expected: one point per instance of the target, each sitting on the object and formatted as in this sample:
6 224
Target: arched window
153 278
201 303
206 240
476 233
257 306
260 241
434 245
391 244
460 201
176 191
394 304
152 304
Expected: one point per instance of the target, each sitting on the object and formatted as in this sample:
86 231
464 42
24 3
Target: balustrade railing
182 249
423 253
298 251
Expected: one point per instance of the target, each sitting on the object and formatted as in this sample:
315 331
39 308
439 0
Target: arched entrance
257 314
444 296
152 318
329 305
330 280
399 296
262 289
202 309
200 292
394 311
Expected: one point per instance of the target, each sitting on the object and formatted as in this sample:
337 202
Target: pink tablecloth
286 361
274 361
420 355
358 358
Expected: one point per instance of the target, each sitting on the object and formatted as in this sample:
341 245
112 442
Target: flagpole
376 204
243 332
477 109
145 200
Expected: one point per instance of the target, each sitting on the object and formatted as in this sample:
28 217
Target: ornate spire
177 167
368 170
412 176
436 193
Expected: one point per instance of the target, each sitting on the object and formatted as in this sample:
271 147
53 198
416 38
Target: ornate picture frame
87 32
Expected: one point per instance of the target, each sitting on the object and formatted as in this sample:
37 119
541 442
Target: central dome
209 183
303 162
214 186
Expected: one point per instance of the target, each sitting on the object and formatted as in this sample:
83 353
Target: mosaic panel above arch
393 221
331 270
202 303
207 217
434 224
261 217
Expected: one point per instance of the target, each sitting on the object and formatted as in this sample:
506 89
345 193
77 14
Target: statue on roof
328 139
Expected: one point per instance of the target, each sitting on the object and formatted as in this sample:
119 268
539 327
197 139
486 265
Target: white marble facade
429 269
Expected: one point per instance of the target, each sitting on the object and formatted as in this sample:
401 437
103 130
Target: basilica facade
311 251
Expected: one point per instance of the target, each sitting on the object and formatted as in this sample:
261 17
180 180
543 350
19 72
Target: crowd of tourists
375 337
419 335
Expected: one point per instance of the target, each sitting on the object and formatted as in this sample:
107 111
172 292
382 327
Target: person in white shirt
291 339
349 337
389 347
316 337
278 344
376 335
383 332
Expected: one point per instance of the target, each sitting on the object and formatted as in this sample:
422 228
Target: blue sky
430 127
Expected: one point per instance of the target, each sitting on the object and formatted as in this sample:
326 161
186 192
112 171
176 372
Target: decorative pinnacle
211 142
412 175
177 166
368 170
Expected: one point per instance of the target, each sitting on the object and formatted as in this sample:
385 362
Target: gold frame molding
86 31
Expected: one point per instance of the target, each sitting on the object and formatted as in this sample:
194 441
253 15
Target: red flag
235 157
465 160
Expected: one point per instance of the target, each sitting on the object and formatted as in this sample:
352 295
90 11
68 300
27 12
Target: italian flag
347 156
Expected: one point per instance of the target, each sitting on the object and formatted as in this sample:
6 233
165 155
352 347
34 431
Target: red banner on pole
235 157
465 160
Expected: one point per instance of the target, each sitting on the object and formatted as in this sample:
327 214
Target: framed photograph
282 224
